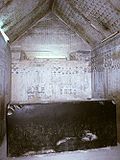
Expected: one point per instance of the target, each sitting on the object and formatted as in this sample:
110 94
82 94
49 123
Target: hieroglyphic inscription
52 81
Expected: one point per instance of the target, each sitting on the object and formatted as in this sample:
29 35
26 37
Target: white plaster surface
50 36
50 80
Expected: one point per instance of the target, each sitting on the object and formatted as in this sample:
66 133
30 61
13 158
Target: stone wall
50 36
4 85
106 73
51 80
36 77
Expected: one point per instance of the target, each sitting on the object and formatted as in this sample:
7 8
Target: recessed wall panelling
106 72
52 80
37 80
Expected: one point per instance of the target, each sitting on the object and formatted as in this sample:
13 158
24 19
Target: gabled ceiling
93 20
49 38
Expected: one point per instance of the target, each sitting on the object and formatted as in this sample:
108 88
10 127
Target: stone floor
108 153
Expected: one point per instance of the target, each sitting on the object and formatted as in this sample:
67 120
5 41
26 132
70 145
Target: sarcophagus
58 127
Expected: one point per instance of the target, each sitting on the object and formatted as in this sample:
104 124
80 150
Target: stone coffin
57 127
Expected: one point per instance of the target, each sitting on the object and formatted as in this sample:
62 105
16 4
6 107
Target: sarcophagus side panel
58 127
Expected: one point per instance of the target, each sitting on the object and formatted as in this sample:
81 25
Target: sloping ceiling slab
103 14
94 20
17 16
77 21
116 4
1 3
50 36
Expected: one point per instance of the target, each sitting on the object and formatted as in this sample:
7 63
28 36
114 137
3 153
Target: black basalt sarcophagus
58 127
